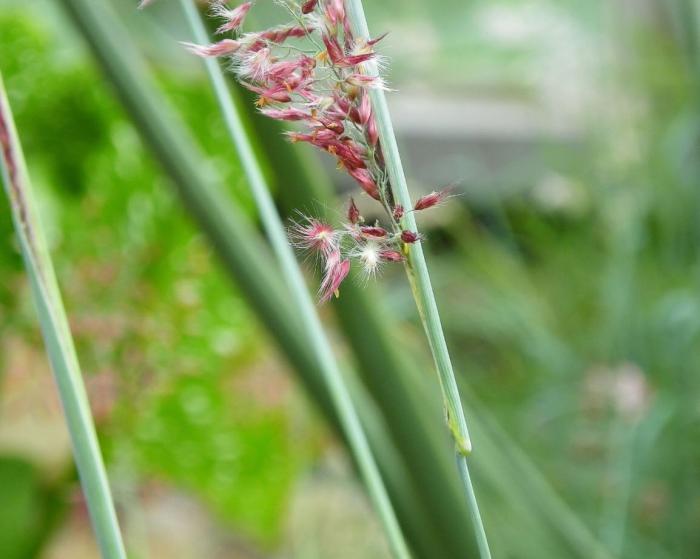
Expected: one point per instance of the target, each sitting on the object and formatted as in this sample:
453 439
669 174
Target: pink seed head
284 69
368 253
289 114
314 235
277 93
281 34
327 89
353 213
366 182
234 17
355 59
372 132
308 6
333 48
363 80
336 270
364 111
374 41
222 48
409 237
335 11
432 199
255 65
391 256
373 231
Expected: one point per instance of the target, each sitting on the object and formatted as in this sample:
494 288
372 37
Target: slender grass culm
57 337
302 301
419 278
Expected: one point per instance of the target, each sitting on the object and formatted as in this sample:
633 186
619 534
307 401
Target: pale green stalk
419 279
301 298
57 337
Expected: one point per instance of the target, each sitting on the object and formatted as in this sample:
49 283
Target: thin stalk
481 540
306 308
57 337
419 278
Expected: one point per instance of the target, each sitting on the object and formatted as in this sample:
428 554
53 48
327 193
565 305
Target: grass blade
419 278
57 337
304 304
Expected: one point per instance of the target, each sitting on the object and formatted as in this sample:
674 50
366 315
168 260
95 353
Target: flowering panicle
310 71
371 246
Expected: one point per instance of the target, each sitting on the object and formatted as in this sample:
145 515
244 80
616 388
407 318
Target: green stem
57 337
302 299
481 540
419 278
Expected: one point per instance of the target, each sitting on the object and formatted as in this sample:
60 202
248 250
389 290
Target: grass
531 315
412 449
57 337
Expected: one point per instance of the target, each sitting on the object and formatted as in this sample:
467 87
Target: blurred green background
566 272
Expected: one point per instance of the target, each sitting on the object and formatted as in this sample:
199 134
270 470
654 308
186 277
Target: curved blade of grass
302 300
417 271
57 337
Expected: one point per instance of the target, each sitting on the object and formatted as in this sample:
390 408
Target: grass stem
419 278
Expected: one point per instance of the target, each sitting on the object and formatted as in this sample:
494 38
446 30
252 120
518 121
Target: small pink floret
315 236
365 180
391 256
432 199
222 48
308 6
373 231
409 236
335 11
289 114
336 271
234 17
353 212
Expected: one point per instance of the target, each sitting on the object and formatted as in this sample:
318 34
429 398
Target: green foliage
209 436
20 516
